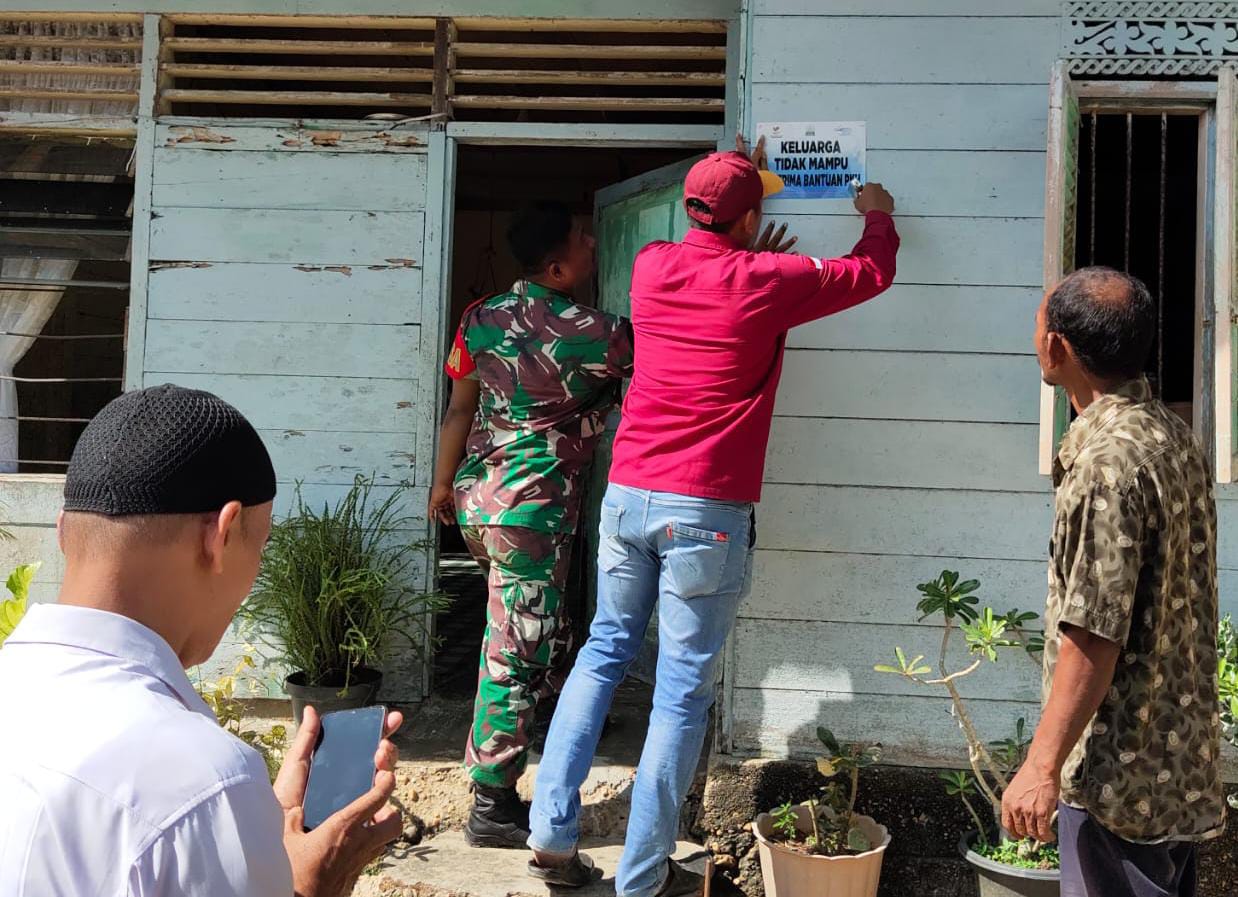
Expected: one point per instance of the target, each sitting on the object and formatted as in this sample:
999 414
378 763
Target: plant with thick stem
846 760
986 634
832 812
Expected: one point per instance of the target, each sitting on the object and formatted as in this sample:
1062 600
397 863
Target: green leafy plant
961 785
832 814
336 588
1227 683
1024 854
1011 752
986 635
786 823
221 697
14 608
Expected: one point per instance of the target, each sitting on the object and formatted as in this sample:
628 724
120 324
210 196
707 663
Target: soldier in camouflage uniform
535 376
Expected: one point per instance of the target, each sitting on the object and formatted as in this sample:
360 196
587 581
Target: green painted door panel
628 217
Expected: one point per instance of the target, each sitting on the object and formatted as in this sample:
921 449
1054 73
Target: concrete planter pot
999 880
362 691
787 873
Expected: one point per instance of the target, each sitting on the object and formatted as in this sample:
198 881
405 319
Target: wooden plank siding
197 178
286 276
905 434
240 291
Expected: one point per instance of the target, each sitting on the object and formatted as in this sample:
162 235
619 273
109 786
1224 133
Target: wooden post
444 65
163 80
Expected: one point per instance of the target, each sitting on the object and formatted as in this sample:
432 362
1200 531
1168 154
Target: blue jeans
692 558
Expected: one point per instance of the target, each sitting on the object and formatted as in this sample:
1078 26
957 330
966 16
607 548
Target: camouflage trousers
527 643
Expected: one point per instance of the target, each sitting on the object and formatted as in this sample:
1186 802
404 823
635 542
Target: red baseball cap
723 186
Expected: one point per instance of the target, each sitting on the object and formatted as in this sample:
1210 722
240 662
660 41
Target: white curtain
22 311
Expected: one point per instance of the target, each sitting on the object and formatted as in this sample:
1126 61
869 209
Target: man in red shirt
677 525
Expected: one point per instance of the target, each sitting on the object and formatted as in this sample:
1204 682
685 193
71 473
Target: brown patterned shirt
1133 560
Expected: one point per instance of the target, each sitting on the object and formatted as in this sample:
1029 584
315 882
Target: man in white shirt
115 778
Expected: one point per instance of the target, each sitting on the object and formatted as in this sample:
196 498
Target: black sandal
575 873
681 882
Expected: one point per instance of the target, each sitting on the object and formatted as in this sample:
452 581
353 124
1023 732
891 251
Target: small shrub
13 609
220 696
1227 682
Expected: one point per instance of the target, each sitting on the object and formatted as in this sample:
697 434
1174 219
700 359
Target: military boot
499 819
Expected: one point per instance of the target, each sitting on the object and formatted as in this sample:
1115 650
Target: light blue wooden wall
905 434
287 277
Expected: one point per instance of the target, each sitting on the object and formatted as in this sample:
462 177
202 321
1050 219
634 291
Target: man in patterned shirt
1130 735
535 377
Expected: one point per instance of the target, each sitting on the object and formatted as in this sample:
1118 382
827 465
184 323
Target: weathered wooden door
627 217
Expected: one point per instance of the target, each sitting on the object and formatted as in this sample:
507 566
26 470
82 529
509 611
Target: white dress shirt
115 778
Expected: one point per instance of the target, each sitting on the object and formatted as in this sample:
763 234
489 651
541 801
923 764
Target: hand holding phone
342 766
327 861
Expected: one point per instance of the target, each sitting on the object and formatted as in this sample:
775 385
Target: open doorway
491 183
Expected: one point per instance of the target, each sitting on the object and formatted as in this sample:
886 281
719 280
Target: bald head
1107 317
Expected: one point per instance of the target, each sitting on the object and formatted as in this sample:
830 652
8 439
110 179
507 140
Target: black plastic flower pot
361 691
999 880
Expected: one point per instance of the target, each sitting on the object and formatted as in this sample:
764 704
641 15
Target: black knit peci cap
167 450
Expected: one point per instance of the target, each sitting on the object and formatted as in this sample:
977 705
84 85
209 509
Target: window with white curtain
65 207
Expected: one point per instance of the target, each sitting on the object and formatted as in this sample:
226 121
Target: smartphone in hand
342 767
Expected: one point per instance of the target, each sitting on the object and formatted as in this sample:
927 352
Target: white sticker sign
816 160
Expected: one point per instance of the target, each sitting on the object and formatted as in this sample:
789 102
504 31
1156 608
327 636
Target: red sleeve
812 288
459 362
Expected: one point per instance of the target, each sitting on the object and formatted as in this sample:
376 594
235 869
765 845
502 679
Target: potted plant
1004 868
335 594
823 848
14 608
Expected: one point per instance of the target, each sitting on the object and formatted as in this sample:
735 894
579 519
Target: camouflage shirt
550 371
1133 560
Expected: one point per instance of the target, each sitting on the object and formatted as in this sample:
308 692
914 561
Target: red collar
709 240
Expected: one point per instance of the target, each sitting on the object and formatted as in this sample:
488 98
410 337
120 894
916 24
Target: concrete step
444 866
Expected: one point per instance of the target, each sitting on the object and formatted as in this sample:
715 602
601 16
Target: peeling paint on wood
198 135
295 138
326 138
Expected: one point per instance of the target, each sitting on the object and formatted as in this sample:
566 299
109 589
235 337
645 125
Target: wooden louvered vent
550 70
296 66
84 64
467 69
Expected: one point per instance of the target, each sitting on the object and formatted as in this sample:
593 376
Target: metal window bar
11 283
59 420
1092 207
1130 146
61 379
59 336
1160 259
